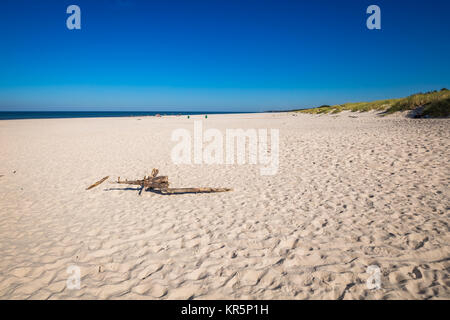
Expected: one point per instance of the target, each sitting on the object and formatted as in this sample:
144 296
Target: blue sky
233 55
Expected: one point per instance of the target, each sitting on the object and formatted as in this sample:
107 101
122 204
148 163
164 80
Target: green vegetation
437 109
430 104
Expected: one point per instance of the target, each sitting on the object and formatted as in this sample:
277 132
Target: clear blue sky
232 55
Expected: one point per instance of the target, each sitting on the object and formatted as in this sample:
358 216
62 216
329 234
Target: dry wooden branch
193 190
148 182
161 184
97 183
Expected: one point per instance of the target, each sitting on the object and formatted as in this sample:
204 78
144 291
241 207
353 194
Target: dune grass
437 109
434 104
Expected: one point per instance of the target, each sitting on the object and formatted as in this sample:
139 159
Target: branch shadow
150 190
122 189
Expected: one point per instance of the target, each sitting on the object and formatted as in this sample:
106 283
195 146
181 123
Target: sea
12 115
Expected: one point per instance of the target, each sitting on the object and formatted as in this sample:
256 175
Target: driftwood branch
193 190
97 183
160 184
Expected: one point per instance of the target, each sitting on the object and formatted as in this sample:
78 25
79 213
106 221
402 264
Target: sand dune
350 192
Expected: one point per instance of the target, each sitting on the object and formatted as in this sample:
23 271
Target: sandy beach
353 190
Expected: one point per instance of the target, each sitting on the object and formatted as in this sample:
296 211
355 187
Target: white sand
350 192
